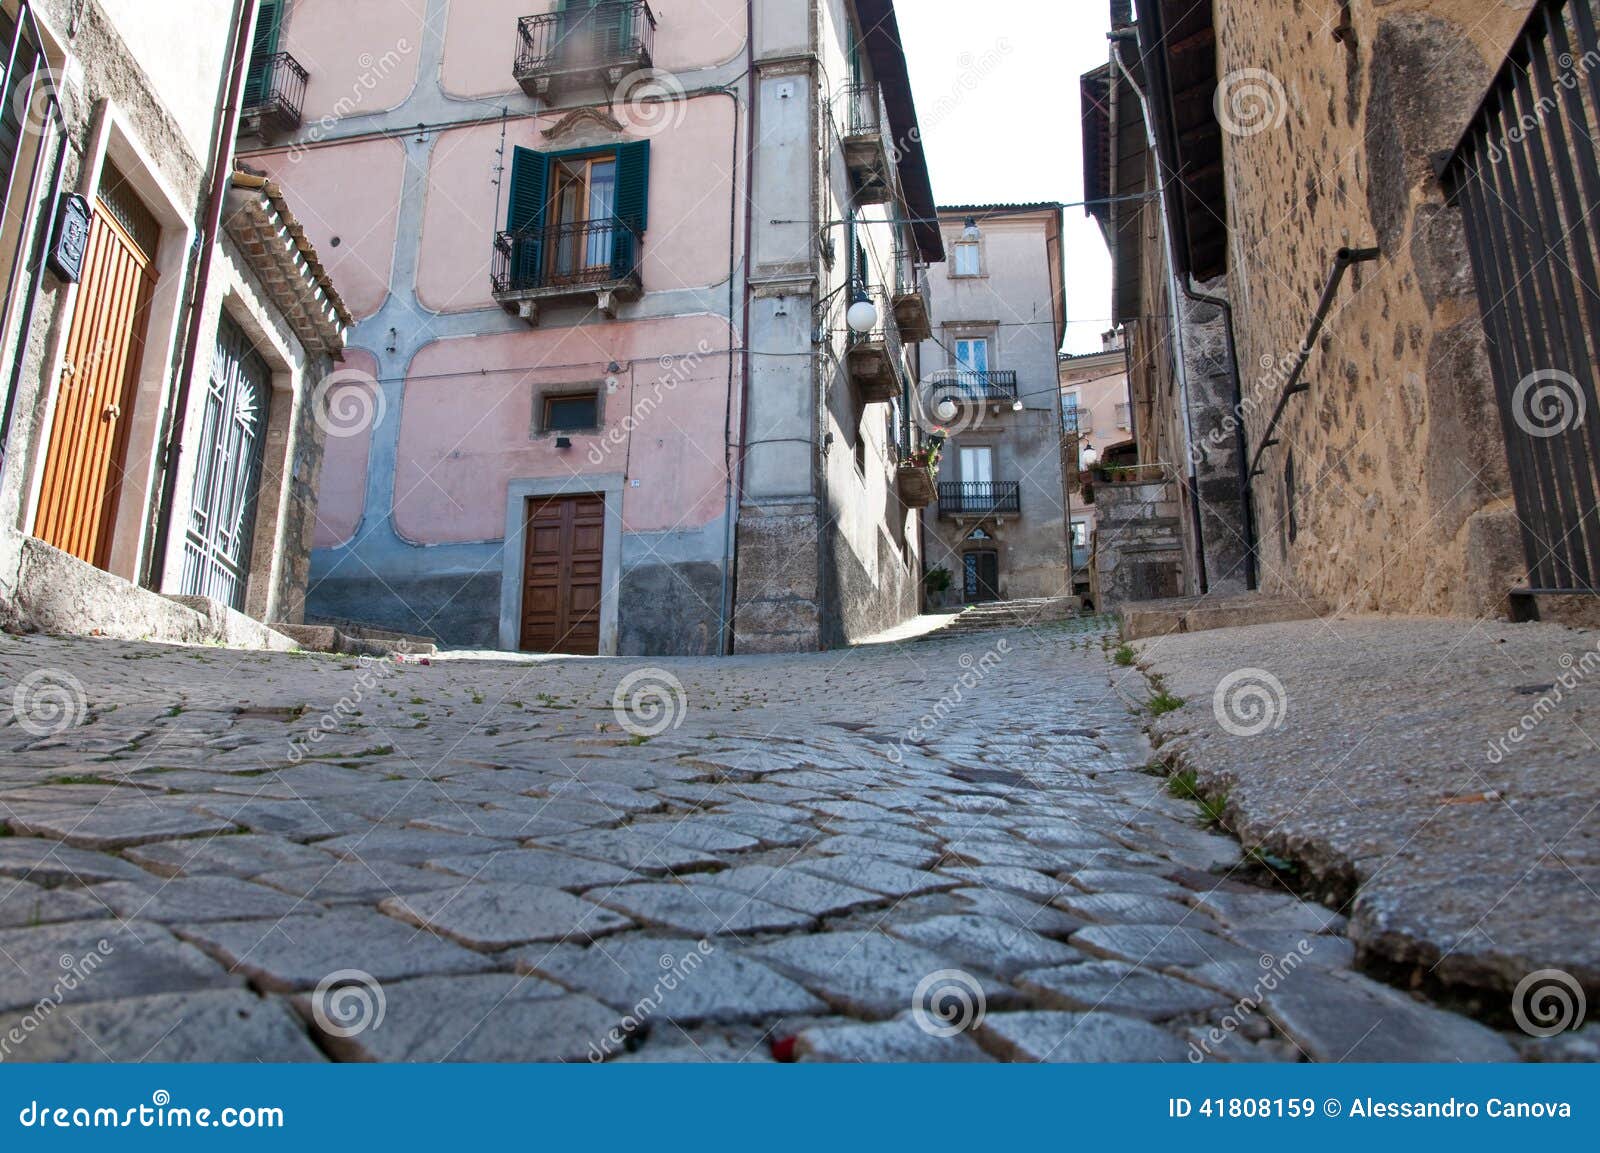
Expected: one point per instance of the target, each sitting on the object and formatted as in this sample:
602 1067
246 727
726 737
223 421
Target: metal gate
216 558
1526 178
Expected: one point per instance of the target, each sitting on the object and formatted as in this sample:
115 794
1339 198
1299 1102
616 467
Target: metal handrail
282 89
980 498
608 33
565 255
1000 383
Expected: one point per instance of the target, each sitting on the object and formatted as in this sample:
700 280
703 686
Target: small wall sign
70 241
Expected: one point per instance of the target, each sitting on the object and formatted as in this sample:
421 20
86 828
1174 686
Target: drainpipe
222 151
735 489
1174 290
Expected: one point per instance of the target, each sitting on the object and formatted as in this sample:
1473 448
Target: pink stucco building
602 395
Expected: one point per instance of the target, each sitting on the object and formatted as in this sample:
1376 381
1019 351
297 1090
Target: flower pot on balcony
915 484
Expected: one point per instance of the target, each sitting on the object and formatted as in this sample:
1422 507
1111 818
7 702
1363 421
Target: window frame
547 399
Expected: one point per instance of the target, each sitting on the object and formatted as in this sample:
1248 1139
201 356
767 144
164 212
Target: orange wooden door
94 401
564 557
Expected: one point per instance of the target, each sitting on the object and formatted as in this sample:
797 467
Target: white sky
979 73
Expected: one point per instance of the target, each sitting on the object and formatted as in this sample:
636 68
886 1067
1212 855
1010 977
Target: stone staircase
1012 615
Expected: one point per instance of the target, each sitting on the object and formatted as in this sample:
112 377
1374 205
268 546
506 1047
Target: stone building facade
999 522
601 259
1097 415
166 334
1376 454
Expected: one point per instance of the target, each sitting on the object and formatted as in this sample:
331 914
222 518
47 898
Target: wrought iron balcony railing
876 359
1076 419
862 120
617 35
583 256
861 111
968 384
274 94
980 498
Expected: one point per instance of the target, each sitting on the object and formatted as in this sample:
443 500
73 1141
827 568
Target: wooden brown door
565 546
94 400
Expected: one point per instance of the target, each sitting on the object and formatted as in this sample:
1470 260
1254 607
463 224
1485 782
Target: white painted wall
182 48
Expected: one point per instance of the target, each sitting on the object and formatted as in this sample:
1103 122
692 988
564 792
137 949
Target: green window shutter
263 46
530 179
633 184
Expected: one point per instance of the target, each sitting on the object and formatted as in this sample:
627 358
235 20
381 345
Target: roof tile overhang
258 220
881 31
1117 148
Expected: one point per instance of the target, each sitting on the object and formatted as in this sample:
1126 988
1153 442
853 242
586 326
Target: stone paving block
23 903
490 917
1117 987
672 979
1092 880
882 831
302 820
1009 878
1129 909
241 855
1321 949
876 875
701 909
863 973
911 856
697 834
1159 946
299 951
535 867
901 1040
224 1025
570 811
121 826
1336 1016
1267 910
1065 1038
1016 909
986 943
355 881
196 899
408 846
505 824
76 961
493 1017
632 849
794 889
770 833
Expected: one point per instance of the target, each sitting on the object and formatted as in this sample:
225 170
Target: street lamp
1016 405
945 409
863 314
1091 456
970 232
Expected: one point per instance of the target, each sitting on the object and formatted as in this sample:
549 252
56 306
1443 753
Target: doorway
981 576
563 560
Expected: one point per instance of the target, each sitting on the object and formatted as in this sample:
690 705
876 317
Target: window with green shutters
542 241
264 46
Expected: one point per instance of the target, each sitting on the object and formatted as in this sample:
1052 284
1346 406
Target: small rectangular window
966 259
572 413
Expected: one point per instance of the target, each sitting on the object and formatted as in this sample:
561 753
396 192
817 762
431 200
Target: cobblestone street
946 849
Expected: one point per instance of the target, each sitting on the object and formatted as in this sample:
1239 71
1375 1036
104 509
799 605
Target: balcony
915 484
967 386
579 47
1076 420
911 310
274 94
980 499
876 359
863 123
594 263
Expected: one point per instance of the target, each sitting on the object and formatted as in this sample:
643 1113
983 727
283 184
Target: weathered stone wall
1138 546
1397 456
